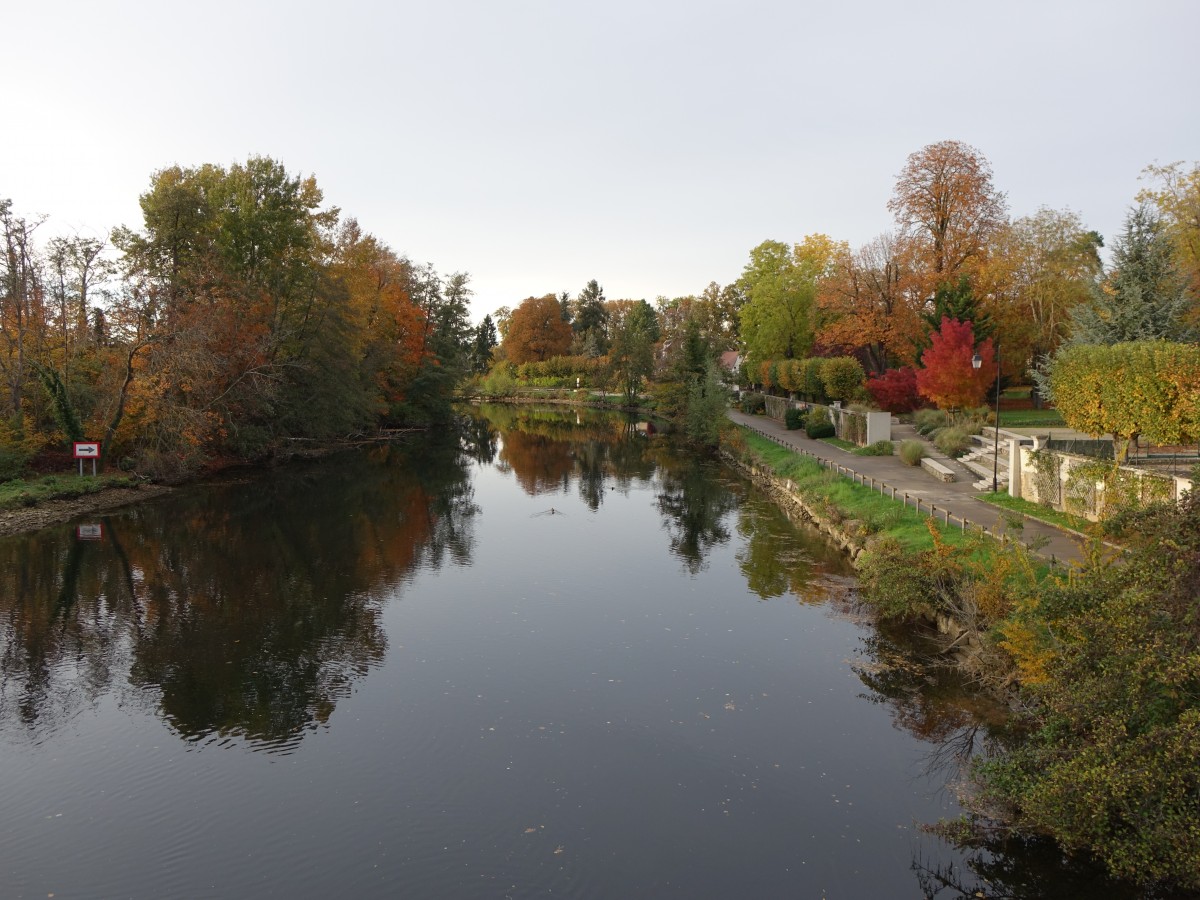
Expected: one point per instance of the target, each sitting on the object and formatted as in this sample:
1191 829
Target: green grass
1031 418
1037 511
839 443
21 493
824 489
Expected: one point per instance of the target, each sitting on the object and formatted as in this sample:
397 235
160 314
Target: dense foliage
1112 664
895 390
240 317
1150 388
947 376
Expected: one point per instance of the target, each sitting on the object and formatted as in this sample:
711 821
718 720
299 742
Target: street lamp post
976 362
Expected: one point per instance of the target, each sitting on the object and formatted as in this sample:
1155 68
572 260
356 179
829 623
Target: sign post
87 450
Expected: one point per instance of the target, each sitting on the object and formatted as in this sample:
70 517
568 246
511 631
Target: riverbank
58 510
1099 659
38 506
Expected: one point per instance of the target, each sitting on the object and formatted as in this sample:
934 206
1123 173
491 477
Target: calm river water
549 656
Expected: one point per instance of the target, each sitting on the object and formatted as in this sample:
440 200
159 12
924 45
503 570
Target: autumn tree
842 377
895 390
947 377
230 268
1040 268
871 301
944 199
1175 195
387 328
536 331
21 307
1127 389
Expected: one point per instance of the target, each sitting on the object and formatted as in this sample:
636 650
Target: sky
649 145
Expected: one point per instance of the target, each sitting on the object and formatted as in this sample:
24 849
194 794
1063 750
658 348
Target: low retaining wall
937 470
783 492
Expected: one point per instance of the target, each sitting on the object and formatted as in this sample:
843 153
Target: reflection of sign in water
92 532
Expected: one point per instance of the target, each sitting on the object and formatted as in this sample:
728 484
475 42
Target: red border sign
87 449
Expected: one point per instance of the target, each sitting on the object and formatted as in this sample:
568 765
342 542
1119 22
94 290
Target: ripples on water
398 674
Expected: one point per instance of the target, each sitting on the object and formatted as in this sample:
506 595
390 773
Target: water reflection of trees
695 502
780 557
547 450
242 609
959 723
1003 866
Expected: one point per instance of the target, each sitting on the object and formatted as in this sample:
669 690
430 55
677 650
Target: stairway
979 460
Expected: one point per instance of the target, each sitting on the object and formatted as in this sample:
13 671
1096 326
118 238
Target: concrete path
957 497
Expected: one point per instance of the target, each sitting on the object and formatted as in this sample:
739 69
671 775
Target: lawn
1037 511
1031 418
839 443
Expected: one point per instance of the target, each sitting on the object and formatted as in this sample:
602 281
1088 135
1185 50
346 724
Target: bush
794 419
13 461
912 452
842 377
953 441
753 403
927 421
810 377
500 382
879 448
818 425
896 390
1110 657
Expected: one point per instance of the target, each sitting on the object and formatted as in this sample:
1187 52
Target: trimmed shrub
912 452
819 425
813 386
794 419
842 377
791 374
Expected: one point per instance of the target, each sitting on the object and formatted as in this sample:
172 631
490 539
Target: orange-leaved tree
948 378
944 199
871 300
537 331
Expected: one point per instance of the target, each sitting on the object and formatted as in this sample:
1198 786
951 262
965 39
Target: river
540 654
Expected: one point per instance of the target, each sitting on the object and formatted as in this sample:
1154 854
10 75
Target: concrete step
982 466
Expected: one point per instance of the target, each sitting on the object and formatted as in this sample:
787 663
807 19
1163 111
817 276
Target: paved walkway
958 498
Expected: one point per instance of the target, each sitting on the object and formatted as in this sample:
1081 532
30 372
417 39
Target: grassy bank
842 500
21 493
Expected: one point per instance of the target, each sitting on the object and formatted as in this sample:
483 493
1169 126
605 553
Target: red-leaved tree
895 390
948 378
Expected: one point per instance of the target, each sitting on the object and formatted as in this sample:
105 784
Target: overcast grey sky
648 145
